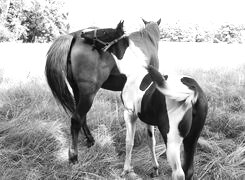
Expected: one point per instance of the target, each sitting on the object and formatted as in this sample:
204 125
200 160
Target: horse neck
145 37
153 35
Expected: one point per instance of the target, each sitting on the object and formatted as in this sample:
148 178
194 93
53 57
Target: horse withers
81 60
177 106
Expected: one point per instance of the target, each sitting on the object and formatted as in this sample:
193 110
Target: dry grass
34 133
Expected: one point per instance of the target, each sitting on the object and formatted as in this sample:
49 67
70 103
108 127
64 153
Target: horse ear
156 76
145 83
144 21
159 21
120 26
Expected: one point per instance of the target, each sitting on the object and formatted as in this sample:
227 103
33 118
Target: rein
106 44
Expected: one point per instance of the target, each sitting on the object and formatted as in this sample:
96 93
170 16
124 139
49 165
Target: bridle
106 44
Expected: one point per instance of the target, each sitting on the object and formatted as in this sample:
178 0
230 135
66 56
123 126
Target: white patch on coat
176 113
132 95
133 61
133 66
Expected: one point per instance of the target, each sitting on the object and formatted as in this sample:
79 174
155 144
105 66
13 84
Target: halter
106 44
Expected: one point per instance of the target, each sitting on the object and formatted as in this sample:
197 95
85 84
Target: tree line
32 21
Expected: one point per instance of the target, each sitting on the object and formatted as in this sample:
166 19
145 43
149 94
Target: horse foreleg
173 156
152 143
130 121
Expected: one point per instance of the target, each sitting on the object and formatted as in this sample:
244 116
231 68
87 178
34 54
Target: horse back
93 67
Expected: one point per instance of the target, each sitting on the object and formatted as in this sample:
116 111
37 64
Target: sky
107 13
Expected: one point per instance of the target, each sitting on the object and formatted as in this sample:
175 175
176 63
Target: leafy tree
36 20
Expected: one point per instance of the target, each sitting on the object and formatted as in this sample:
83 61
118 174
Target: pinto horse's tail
184 89
56 71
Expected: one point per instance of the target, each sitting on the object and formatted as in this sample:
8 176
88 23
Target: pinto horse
177 106
86 61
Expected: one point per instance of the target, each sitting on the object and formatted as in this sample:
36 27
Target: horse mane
150 32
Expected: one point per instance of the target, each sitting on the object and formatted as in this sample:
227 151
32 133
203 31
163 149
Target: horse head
151 32
148 22
100 38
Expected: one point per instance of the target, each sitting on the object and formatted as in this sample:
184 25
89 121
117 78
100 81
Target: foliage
35 20
5 34
229 33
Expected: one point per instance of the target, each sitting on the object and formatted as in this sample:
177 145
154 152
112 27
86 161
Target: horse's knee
150 136
129 142
76 122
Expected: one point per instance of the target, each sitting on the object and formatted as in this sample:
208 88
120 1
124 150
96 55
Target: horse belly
115 82
147 109
148 120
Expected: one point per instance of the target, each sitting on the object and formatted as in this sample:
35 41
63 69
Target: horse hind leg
78 121
152 143
75 128
190 143
189 150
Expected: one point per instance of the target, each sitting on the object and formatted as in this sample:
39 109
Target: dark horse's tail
56 71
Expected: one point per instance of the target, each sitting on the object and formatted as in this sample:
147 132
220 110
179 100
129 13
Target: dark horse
84 60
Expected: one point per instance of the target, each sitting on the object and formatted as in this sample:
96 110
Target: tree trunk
4 6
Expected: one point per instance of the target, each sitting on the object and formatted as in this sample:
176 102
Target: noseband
106 44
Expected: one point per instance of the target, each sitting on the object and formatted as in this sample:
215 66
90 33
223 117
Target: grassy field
34 130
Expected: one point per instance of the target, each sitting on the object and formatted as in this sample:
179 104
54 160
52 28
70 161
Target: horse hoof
154 175
73 159
155 172
194 177
90 142
130 175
